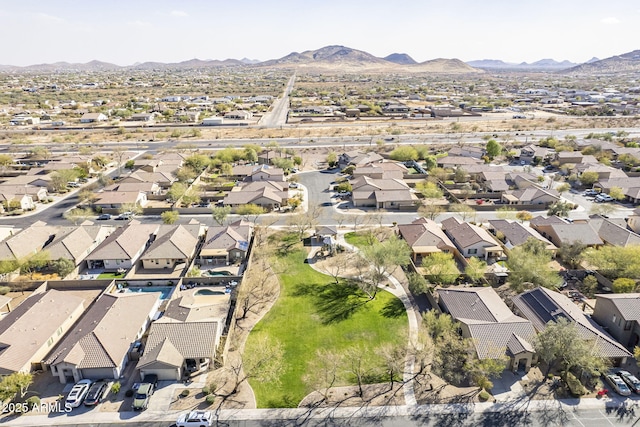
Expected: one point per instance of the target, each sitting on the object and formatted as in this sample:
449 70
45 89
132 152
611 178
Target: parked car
601 198
103 217
617 384
195 419
294 185
632 382
142 396
77 393
96 393
590 192
125 216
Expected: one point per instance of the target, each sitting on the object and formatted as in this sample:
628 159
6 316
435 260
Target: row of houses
107 248
76 337
496 332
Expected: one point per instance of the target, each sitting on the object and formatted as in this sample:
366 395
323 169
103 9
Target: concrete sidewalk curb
524 405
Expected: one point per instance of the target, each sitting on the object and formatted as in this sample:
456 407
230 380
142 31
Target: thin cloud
180 13
610 20
50 18
140 23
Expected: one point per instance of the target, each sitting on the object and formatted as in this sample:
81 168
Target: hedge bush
575 386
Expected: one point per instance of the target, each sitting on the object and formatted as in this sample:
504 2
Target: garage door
163 374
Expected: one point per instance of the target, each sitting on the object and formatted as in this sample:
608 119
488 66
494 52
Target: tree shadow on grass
394 308
338 302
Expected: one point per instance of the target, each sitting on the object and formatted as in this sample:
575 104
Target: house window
614 319
50 342
627 325
472 251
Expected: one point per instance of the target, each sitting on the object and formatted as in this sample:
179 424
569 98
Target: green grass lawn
358 239
314 313
111 276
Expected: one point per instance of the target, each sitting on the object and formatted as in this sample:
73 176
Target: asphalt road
277 115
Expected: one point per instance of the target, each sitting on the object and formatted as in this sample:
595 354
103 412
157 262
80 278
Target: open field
312 314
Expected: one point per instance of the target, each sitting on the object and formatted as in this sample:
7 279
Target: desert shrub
4 290
484 396
115 388
184 393
210 399
575 386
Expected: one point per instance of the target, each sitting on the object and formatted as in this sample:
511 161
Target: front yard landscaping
314 313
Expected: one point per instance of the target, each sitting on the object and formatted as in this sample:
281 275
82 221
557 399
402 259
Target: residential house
604 172
467 151
382 193
494 330
453 162
472 240
359 158
238 115
542 305
33 328
93 118
630 187
382 170
142 117
561 232
267 157
633 220
268 194
613 231
36 193
75 243
530 196
265 173
619 315
225 245
16 201
27 242
173 245
190 328
534 153
515 234
122 248
425 237
119 199
161 177
148 188
98 346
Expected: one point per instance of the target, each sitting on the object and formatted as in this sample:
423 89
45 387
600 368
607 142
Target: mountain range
344 59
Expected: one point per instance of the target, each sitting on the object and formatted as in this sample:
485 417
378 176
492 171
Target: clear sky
129 31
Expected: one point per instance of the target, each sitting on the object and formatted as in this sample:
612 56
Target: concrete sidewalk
522 405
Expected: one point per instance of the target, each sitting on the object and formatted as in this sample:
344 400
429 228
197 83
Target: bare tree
337 265
263 362
324 371
304 221
257 289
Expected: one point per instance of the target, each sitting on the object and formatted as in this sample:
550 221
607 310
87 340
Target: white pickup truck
195 419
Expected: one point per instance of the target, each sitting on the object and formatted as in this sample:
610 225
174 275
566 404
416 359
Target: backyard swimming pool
165 291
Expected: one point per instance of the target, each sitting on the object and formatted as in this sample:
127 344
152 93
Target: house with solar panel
495 331
542 305
226 245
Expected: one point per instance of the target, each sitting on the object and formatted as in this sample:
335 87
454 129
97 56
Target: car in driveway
617 384
195 419
77 393
142 395
602 198
590 192
96 393
631 380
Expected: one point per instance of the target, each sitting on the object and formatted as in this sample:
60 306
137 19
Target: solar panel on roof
537 308
546 302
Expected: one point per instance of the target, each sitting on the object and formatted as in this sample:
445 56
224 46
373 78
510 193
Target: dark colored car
103 217
96 393
631 380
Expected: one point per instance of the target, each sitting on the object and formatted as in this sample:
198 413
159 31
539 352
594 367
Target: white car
195 419
77 393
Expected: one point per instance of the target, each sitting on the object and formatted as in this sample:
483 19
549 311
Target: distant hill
625 63
345 59
185 65
443 65
541 65
250 61
400 58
